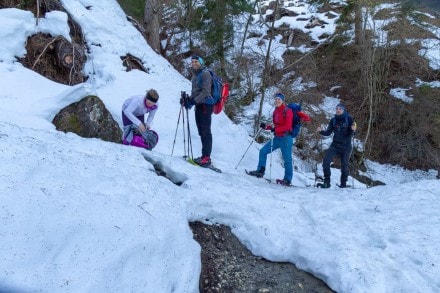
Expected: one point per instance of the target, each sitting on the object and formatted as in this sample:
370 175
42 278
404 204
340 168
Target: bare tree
151 23
266 70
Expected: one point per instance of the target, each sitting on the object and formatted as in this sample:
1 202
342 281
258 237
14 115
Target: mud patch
228 266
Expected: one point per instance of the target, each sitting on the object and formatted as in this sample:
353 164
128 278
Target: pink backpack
147 140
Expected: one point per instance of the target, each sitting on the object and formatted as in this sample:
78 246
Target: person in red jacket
282 129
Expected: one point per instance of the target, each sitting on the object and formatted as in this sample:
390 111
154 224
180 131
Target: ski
346 186
277 181
192 162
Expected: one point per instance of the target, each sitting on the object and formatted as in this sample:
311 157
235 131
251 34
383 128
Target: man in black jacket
343 127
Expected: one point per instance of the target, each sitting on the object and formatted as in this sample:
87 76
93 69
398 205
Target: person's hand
270 127
263 125
142 128
147 127
354 126
319 129
182 101
189 103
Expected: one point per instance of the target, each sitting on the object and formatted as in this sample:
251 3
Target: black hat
152 95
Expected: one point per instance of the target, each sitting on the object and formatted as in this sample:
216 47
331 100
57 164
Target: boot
258 173
323 185
283 182
205 161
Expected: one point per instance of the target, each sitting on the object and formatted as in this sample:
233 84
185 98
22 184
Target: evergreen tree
214 20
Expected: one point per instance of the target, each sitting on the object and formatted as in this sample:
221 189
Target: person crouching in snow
135 108
282 128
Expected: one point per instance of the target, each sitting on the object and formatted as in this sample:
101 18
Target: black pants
203 121
344 153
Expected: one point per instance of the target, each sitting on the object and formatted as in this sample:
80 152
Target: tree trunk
266 65
358 31
69 55
151 22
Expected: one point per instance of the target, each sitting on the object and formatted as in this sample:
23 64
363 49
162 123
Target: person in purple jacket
135 108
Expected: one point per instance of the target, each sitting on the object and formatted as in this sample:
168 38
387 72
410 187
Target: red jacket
282 122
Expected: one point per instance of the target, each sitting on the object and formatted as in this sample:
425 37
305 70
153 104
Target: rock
88 118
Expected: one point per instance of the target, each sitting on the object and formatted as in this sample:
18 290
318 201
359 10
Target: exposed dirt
228 266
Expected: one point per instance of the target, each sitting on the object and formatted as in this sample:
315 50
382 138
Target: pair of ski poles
187 145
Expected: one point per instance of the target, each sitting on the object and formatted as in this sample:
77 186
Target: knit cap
198 58
279 95
340 105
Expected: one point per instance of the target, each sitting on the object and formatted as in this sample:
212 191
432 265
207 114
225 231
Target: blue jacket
340 126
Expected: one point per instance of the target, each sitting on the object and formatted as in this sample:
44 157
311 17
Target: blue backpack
217 85
296 121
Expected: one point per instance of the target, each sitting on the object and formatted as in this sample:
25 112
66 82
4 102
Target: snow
84 215
400 93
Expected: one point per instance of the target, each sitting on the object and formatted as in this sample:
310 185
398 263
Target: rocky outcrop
88 118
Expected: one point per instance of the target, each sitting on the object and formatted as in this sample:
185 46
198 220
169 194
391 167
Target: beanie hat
340 105
198 58
279 95
152 96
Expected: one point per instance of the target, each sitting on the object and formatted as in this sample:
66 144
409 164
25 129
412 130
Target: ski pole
175 134
270 165
184 133
253 139
189 135
350 158
351 168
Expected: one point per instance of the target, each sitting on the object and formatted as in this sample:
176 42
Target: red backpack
218 107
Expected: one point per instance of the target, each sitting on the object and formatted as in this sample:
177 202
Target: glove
189 103
263 125
182 101
272 129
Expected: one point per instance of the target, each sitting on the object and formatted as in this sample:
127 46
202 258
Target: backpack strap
199 77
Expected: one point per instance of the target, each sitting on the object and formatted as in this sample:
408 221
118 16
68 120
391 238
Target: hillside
87 214
390 82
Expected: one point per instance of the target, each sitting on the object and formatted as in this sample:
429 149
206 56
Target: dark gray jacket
201 86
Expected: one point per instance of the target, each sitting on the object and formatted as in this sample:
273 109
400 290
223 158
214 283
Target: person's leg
345 157
269 147
286 151
126 129
125 120
329 155
205 114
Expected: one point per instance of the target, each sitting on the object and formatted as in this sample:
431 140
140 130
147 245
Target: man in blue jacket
343 127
